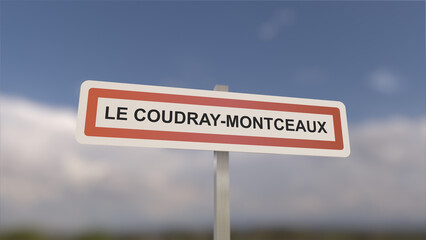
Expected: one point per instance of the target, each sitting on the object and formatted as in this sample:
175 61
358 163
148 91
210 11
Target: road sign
150 116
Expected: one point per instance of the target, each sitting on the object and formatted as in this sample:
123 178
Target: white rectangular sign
139 115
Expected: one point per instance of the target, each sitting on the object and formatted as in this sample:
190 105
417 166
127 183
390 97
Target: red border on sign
96 93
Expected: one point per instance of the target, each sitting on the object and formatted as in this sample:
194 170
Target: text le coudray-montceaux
211 119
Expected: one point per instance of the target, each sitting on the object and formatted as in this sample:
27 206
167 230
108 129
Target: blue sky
369 55
325 50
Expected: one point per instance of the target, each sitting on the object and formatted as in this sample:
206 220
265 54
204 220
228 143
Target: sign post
163 117
222 228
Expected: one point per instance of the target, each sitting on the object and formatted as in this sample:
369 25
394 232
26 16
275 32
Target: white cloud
49 179
384 80
381 184
272 27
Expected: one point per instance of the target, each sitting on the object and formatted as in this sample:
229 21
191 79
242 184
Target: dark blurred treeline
246 235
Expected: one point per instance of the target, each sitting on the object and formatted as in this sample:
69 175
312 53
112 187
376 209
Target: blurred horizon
266 234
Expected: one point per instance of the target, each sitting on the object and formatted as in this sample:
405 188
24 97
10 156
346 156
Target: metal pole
222 229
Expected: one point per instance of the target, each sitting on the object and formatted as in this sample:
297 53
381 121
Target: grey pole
222 229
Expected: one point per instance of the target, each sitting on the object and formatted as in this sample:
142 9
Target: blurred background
369 55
